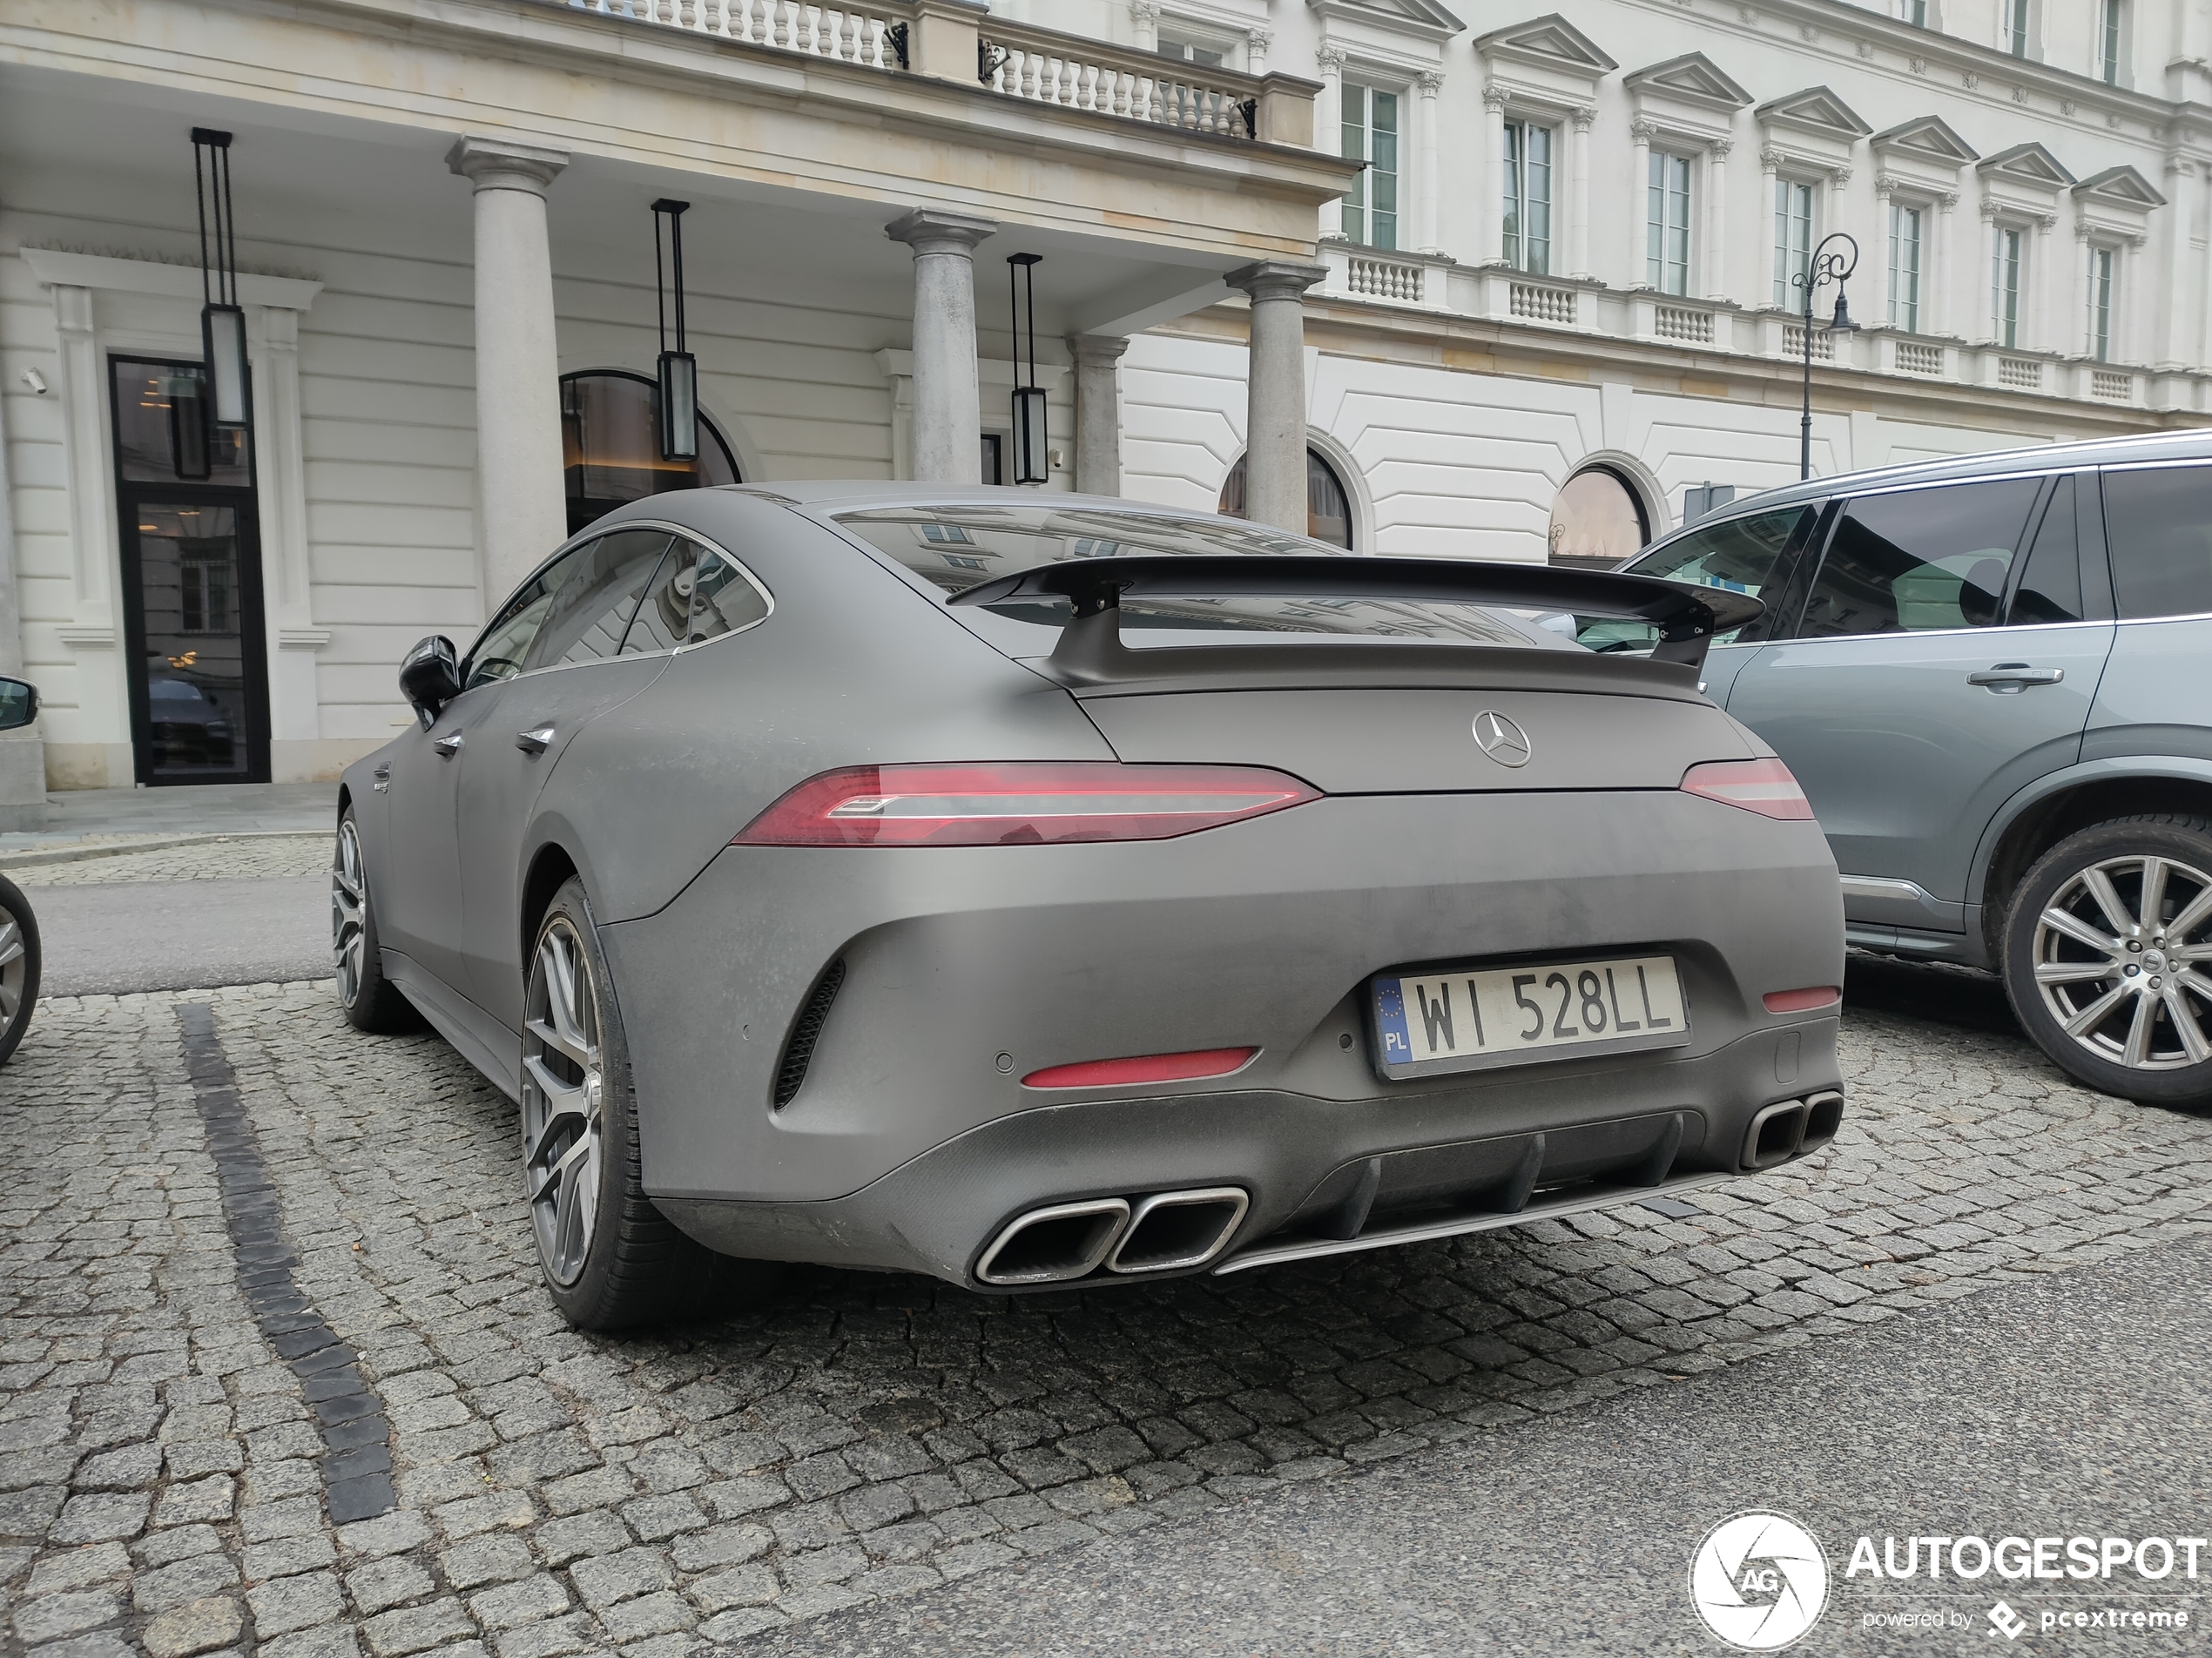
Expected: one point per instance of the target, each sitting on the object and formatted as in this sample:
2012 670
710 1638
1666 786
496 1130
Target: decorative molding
2124 188
1422 19
1548 43
1930 141
1817 110
80 637
1692 79
2030 164
302 638
58 269
1584 116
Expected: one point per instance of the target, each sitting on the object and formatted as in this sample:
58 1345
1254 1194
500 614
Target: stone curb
157 843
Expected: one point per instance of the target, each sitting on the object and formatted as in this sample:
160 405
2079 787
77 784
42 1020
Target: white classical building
1504 285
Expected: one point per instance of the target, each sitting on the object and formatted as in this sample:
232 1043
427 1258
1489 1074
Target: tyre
372 1001
608 1257
2107 957
18 966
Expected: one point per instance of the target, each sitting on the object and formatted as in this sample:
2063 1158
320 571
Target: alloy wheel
15 966
348 904
563 1101
2120 956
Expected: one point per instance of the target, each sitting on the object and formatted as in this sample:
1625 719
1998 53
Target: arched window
610 446
1328 508
1598 521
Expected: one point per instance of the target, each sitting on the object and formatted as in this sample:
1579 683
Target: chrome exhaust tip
1179 1228
1775 1134
1047 1245
1824 1115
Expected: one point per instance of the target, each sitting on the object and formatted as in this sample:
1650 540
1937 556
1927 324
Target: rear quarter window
2158 521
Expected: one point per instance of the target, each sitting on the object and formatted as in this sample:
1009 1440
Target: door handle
2010 678
535 743
384 776
448 746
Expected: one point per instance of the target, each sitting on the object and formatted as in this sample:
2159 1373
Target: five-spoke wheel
2109 956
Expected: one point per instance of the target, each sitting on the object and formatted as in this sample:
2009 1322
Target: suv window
593 603
1920 560
1739 555
2160 524
2050 588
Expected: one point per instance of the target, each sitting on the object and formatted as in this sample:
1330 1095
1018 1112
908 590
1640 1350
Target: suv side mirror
430 677
18 704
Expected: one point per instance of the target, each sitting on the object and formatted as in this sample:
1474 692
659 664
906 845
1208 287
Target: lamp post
1821 269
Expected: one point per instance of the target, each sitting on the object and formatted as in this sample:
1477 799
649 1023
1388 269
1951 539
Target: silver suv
1994 676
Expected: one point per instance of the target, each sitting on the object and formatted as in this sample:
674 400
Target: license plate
1471 1018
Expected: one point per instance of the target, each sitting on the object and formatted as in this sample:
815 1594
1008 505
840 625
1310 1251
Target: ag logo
1759 1581
1501 739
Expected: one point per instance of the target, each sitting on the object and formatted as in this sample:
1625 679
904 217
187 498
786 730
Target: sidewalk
77 815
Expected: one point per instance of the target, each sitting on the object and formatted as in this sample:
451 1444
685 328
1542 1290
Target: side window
591 609
503 647
1920 560
724 599
2160 524
1740 557
2050 588
665 617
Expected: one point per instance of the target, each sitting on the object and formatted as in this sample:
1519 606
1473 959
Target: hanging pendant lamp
678 369
1030 458
222 320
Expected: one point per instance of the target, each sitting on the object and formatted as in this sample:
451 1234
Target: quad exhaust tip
1790 1129
1179 1228
1161 1233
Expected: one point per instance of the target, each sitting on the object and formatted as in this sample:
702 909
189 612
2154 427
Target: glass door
192 582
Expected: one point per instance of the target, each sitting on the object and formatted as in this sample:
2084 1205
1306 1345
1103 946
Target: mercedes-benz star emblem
1501 739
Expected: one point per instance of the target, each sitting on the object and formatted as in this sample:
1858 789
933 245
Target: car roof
2193 445
830 496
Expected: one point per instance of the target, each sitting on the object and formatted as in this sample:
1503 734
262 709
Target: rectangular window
1184 50
2103 264
2005 286
1667 224
1914 12
1792 240
2108 40
1920 560
1528 197
1905 268
1371 135
2161 522
2015 27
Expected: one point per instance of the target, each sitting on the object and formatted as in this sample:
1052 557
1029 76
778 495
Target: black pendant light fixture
1030 458
222 322
680 370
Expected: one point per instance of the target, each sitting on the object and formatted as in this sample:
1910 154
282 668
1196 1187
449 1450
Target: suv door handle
535 743
2010 678
448 746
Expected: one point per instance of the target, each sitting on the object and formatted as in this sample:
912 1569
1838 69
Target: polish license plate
1472 1018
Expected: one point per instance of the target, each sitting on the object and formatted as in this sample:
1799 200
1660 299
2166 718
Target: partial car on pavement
1029 889
1988 674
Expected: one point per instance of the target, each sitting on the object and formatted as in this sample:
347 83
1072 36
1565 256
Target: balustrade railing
2021 374
875 38
1541 302
1383 279
1041 67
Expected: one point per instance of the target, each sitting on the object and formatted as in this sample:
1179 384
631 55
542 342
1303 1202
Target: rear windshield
954 548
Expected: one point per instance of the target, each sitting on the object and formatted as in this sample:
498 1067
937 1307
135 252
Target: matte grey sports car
1024 888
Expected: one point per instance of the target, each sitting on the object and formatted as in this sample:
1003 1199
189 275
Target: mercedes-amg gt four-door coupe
1032 889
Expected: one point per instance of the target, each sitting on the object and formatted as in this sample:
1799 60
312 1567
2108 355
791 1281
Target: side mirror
430 677
18 704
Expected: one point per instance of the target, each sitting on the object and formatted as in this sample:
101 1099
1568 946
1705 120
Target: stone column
1144 18
521 510
1098 411
1716 218
948 412
22 755
1641 134
1257 41
1425 157
1328 125
2051 291
1490 176
1935 316
1275 391
1578 210
2181 313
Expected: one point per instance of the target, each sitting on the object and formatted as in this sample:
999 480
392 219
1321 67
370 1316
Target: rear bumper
1443 1157
967 969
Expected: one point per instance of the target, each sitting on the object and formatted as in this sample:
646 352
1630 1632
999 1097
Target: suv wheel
2107 957
608 1257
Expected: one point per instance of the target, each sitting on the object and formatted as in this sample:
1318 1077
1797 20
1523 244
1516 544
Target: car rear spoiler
1091 646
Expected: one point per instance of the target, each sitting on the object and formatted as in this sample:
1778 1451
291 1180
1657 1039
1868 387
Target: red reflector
1763 786
1018 802
1150 1067
1798 1001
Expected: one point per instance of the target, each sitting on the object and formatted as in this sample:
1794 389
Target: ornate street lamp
1821 268
680 370
1029 459
222 321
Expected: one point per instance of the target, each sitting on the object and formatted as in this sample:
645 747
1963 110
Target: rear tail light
1149 1068
1763 786
1018 802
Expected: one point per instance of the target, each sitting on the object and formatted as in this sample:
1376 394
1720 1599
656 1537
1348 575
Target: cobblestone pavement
855 1435
214 858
